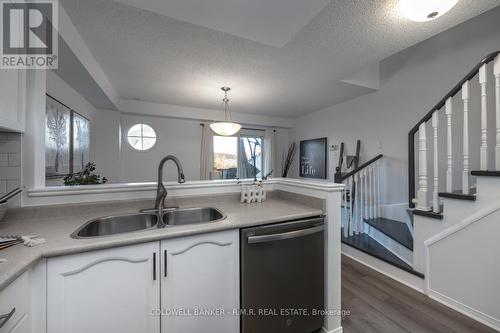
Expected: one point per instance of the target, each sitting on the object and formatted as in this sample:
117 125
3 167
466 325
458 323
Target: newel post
483 78
422 194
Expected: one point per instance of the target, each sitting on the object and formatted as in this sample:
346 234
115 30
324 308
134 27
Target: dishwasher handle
285 235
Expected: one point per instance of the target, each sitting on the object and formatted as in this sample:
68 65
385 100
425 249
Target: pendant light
425 10
226 127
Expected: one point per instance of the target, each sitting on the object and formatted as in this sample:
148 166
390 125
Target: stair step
457 195
432 215
486 173
368 245
398 231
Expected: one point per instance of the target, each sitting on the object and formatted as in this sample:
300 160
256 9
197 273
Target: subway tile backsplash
10 163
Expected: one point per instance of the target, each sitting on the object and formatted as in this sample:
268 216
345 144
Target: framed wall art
313 158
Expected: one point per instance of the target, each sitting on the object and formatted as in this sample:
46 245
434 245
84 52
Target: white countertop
57 230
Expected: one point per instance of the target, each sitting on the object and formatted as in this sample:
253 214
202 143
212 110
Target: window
141 137
239 157
67 140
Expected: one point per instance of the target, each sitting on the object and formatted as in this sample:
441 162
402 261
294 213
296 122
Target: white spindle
435 193
360 202
345 221
356 203
361 197
449 146
483 78
496 71
373 198
379 206
465 175
367 192
375 192
351 207
422 194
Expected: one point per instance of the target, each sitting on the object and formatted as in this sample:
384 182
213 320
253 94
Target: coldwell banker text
29 34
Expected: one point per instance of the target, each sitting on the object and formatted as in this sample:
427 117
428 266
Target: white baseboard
337 330
466 310
382 267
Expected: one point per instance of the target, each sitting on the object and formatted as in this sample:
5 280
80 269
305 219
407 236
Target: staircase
454 200
382 231
363 226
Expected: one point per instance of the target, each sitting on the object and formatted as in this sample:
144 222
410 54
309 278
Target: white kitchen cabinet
12 99
15 306
200 273
113 290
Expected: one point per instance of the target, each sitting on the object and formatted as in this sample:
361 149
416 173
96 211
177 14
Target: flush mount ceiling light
226 127
425 10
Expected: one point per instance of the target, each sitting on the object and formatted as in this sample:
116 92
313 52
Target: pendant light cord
227 113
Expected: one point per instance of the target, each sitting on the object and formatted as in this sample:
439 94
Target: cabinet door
15 306
114 290
12 99
201 273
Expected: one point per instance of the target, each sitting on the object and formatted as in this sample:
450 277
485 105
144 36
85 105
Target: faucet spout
161 192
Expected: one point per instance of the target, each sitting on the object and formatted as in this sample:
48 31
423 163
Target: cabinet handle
165 263
5 318
154 266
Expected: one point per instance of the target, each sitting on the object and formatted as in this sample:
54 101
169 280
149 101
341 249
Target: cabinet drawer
15 296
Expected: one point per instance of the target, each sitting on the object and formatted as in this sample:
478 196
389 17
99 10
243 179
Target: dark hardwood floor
378 304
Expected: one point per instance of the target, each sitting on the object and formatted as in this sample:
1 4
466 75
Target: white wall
118 162
107 151
468 279
178 137
412 82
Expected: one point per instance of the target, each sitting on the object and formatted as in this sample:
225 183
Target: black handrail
428 116
339 178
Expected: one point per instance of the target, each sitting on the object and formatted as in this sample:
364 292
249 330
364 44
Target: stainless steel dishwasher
282 277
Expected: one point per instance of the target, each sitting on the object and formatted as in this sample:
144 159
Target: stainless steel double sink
112 225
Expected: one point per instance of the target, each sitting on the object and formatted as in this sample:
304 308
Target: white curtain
207 152
242 161
269 152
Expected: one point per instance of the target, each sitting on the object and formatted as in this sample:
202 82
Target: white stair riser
397 249
455 211
488 189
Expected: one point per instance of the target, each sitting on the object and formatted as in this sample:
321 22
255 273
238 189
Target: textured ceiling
272 22
152 57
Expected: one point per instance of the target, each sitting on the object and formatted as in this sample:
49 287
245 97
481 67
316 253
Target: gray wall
10 164
412 82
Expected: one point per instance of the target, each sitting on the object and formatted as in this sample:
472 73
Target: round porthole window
141 137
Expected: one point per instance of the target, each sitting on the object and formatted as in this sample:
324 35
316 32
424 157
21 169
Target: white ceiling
271 22
152 57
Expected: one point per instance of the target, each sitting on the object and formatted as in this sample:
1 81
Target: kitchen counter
57 224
